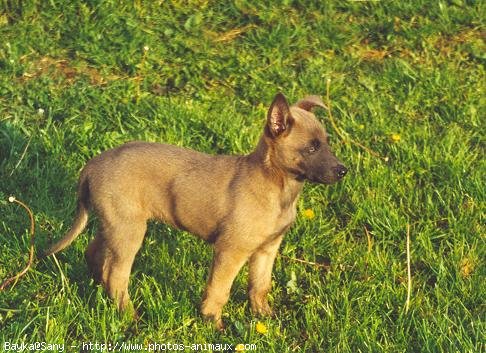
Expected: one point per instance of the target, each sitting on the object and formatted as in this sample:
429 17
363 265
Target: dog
243 205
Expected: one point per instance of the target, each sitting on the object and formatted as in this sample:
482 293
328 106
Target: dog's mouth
328 178
325 181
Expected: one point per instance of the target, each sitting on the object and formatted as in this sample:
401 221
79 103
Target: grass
407 81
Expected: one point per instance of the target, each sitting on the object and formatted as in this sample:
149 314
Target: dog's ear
310 102
278 117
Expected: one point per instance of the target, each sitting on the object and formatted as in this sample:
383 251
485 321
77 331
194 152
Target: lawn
405 82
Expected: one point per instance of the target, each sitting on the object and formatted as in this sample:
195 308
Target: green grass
75 80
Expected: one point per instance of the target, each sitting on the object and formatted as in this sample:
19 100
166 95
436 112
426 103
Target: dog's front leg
227 262
260 278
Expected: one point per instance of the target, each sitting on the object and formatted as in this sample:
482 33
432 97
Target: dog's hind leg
260 276
94 257
111 255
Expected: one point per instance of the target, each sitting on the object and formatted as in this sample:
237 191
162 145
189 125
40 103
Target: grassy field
406 80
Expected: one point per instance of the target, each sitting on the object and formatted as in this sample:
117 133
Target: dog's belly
200 207
199 218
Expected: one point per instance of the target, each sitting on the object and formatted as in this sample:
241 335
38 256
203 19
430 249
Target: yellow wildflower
261 328
395 137
240 347
467 267
308 213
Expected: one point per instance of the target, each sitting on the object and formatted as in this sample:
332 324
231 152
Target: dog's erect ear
310 102
278 118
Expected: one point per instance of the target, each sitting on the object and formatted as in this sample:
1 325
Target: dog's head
299 142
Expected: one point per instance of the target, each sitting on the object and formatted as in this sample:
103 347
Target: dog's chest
284 219
284 215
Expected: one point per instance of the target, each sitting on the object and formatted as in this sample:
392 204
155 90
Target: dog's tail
80 220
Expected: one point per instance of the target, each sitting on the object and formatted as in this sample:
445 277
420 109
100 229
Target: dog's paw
261 308
216 320
219 325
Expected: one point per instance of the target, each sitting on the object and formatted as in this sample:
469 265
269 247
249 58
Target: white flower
146 48
40 111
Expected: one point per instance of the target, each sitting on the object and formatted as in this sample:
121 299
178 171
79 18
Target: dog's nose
340 171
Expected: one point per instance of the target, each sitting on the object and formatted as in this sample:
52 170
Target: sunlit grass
406 82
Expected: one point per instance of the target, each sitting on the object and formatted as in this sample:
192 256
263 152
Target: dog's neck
264 158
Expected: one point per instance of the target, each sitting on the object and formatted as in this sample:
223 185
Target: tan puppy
241 204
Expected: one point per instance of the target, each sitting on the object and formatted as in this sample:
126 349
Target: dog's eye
315 144
312 147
